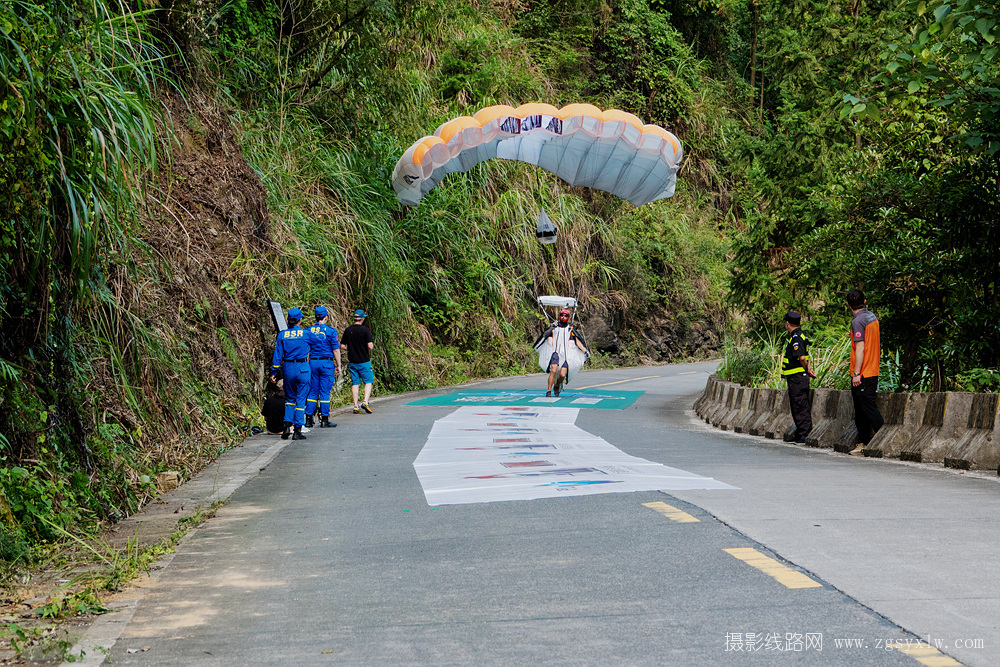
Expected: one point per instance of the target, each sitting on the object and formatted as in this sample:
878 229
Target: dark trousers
866 415
798 398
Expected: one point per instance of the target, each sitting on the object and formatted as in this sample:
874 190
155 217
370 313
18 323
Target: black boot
309 421
298 434
288 427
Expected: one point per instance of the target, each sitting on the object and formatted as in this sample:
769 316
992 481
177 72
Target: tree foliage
949 59
827 146
877 170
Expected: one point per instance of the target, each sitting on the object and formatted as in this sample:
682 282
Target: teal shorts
361 373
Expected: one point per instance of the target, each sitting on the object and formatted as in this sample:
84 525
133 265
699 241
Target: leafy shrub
747 366
979 380
13 545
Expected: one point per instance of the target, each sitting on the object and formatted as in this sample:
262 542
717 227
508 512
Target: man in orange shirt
865 355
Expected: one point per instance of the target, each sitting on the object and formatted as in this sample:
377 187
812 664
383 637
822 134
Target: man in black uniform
796 371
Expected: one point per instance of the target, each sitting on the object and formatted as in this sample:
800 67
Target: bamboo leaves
82 90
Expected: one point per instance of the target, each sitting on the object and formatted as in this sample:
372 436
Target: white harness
560 341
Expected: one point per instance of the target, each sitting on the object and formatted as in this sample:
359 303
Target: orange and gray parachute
607 150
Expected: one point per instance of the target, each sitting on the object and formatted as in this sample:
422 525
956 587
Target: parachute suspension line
546 236
572 283
579 286
545 315
539 192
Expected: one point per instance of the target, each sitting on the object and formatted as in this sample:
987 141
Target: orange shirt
864 329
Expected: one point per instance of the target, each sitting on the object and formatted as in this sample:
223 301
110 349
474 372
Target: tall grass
754 360
80 132
81 113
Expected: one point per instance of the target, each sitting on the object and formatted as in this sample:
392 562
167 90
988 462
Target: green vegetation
754 359
879 170
165 169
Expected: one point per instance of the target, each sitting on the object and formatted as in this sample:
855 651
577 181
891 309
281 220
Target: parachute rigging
610 150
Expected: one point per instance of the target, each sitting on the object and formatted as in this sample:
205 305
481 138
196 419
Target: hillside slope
250 160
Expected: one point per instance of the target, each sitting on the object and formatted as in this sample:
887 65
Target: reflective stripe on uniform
790 366
795 371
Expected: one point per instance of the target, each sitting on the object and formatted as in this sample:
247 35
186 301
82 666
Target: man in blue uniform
291 356
325 349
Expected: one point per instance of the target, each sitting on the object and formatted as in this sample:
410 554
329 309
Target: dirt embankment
187 324
190 299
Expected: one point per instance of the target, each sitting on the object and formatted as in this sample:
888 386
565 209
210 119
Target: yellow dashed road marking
926 654
648 377
672 513
786 576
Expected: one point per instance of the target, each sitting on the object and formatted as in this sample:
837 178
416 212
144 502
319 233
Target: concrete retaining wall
958 429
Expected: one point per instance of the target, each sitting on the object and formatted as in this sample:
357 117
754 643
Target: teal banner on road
583 398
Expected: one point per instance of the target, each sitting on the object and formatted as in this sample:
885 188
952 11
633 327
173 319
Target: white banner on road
481 454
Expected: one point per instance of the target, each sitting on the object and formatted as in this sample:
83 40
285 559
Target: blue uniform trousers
323 377
297 378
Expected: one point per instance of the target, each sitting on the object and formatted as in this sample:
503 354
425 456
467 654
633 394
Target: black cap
793 318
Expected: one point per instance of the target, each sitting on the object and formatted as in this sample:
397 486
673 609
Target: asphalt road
332 556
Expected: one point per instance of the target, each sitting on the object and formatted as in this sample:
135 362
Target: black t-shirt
356 338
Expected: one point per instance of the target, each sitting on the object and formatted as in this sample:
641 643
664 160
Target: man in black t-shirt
358 340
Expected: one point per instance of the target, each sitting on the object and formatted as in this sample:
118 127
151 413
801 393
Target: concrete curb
956 429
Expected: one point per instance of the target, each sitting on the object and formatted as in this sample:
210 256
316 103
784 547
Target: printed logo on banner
526 464
569 486
560 472
514 125
485 399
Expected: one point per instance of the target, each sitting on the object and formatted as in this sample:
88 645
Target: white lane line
608 384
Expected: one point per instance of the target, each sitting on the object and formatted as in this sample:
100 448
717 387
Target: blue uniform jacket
293 346
323 341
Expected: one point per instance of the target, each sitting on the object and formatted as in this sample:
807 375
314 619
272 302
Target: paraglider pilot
562 334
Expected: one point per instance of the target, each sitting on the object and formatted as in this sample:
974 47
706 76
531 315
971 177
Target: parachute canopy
607 150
